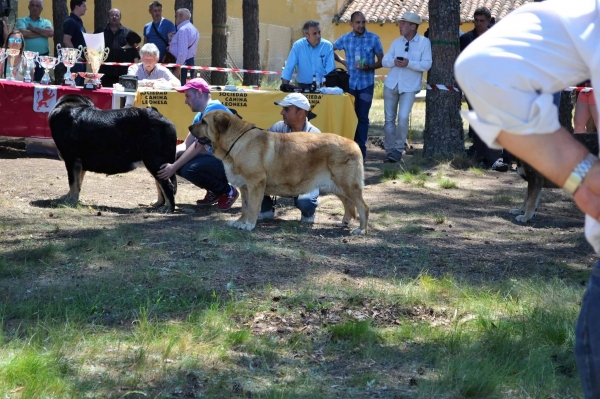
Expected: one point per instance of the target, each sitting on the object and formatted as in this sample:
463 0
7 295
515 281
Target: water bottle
313 86
357 60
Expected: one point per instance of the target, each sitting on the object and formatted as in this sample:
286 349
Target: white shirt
509 73
419 60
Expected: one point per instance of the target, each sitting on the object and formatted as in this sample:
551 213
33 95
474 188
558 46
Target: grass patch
391 174
502 199
446 183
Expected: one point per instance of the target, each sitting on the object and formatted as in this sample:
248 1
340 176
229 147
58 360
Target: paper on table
94 40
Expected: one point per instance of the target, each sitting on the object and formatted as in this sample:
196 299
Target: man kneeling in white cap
295 119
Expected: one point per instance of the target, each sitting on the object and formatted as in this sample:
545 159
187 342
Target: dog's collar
236 140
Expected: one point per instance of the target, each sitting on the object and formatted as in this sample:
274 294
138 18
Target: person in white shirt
509 75
408 58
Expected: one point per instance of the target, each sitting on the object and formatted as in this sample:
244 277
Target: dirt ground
465 231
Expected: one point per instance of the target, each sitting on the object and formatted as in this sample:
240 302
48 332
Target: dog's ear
221 121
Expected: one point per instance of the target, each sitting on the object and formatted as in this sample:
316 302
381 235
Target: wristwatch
578 174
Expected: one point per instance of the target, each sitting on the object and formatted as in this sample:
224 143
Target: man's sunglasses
15 39
406 48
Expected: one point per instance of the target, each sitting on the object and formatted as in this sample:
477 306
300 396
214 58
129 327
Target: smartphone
400 58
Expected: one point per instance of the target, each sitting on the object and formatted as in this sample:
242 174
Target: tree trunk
443 133
251 41
101 9
59 14
219 41
565 111
189 4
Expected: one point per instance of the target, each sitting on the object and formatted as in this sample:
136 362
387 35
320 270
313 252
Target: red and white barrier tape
579 89
219 69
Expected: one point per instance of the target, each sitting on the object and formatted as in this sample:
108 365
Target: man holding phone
409 56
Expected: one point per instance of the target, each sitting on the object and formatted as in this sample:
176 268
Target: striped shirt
185 42
363 47
158 72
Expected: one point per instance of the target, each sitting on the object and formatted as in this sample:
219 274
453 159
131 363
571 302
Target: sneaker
307 219
500 166
267 215
209 199
226 201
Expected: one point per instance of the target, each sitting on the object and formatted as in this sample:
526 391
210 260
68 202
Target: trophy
30 58
47 63
12 53
3 54
95 58
69 56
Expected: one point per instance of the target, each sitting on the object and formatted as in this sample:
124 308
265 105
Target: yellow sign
335 113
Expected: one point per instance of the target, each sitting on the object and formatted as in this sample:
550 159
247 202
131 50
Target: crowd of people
163 40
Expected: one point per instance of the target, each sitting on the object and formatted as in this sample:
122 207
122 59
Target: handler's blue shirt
310 61
213 105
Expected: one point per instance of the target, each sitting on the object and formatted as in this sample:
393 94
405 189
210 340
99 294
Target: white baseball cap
297 99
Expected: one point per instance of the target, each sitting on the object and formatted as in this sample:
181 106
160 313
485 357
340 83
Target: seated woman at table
15 41
149 72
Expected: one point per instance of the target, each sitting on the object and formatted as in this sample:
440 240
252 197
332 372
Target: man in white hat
409 56
295 110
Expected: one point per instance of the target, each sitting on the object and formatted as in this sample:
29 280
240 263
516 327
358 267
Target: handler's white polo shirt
511 71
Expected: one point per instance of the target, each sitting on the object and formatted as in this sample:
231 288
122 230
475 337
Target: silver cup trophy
3 54
95 57
69 56
47 63
11 53
30 59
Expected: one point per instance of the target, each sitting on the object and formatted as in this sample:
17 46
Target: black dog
535 181
112 141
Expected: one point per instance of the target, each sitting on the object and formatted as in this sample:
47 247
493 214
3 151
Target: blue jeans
307 203
183 77
587 337
207 172
363 98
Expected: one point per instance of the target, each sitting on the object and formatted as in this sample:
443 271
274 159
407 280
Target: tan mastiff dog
263 163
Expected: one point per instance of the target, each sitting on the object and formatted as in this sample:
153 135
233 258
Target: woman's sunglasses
15 39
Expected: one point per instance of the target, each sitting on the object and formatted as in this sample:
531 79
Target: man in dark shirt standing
489 158
73 31
115 37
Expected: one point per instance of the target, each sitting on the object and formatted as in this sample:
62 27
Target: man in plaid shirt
361 48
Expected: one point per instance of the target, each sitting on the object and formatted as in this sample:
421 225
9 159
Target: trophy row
68 56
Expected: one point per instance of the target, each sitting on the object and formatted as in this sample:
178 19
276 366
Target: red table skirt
20 112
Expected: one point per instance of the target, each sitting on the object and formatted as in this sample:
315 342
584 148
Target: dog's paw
523 219
242 225
68 199
165 209
157 204
358 232
340 224
515 211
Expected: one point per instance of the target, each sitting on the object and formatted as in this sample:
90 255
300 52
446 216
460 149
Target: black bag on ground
338 77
